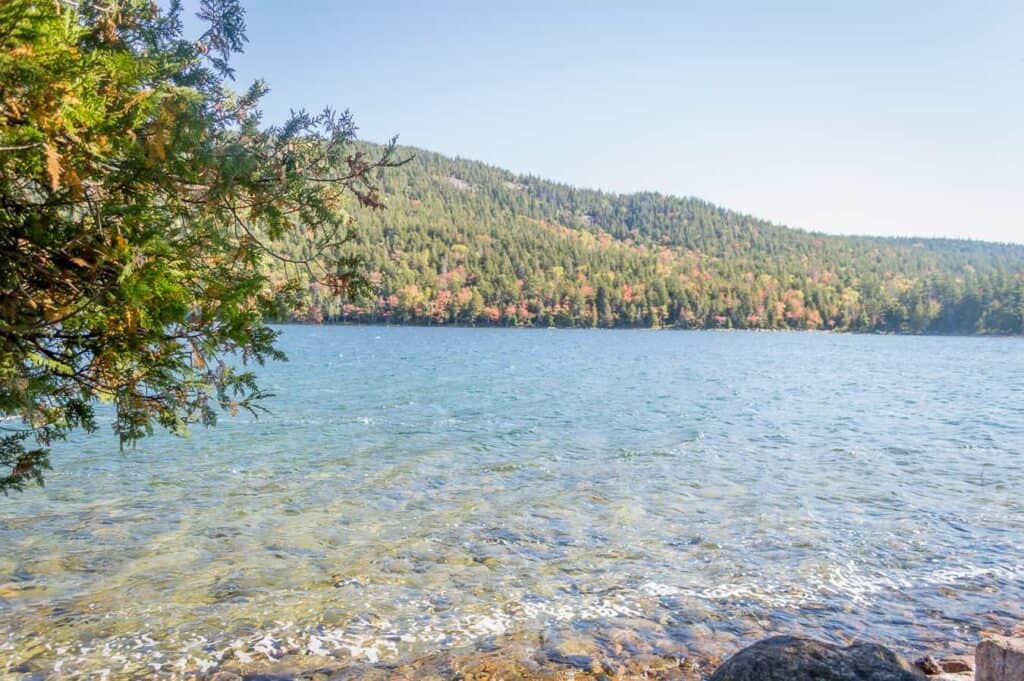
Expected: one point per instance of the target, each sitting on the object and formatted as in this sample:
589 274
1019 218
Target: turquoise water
416 489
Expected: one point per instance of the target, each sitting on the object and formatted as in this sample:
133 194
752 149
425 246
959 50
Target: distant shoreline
531 327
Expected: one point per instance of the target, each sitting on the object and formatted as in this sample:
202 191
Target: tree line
465 243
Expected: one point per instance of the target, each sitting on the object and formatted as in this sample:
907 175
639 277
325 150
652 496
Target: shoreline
621 654
633 651
667 329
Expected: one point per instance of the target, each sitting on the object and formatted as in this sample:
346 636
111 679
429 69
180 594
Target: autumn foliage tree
463 242
141 205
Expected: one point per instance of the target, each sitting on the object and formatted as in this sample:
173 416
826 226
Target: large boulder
793 658
999 658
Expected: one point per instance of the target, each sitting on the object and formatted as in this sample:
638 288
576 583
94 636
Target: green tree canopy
463 242
142 202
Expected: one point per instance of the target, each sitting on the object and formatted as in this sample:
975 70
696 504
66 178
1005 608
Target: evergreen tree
573 257
143 210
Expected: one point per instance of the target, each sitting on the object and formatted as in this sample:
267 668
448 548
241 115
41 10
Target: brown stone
956 664
225 676
667 647
999 658
929 665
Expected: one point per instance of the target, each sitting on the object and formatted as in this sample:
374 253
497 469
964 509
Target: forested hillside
462 242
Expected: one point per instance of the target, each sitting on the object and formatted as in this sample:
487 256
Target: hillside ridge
466 242
522 180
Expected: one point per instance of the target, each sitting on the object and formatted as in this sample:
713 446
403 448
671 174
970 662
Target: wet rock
1000 658
701 632
791 658
956 664
566 642
581 662
645 664
36 676
620 641
667 647
929 665
225 676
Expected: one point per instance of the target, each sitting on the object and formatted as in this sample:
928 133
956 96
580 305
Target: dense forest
461 242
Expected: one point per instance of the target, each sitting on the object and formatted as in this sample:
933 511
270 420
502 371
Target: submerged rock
572 650
956 664
1000 658
225 676
929 665
947 667
792 658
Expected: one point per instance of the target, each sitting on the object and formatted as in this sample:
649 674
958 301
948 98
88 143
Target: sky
867 117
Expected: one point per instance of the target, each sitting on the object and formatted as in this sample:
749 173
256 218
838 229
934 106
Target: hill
462 242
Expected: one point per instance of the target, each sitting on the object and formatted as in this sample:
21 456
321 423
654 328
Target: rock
999 658
929 665
792 658
583 662
623 640
572 649
667 647
642 665
225 676
956 664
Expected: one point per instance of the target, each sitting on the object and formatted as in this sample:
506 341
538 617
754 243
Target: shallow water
419 489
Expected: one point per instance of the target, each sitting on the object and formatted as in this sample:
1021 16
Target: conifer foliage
465 243
141 208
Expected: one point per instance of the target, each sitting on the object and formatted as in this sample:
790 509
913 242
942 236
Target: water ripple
418 489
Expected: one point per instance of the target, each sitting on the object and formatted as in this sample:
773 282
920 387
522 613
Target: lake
415 490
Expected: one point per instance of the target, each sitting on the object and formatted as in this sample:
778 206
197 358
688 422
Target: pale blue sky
855 117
